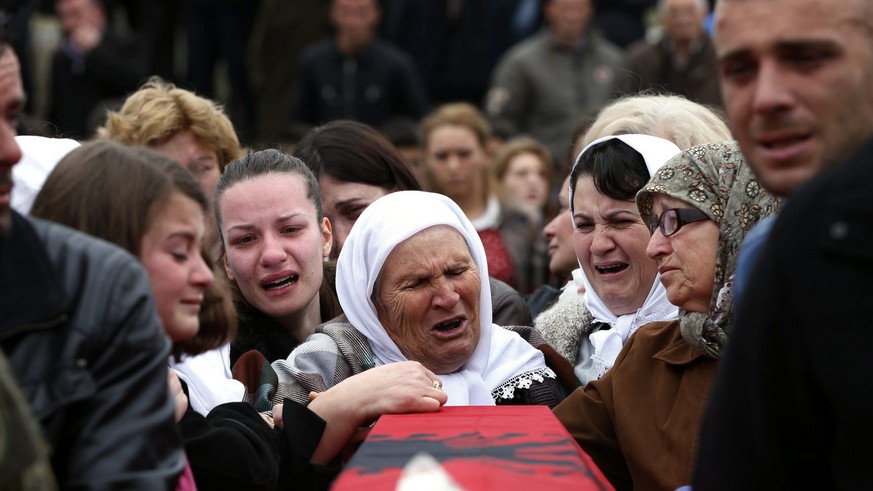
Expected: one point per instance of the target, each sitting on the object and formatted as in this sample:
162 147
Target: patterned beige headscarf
715 179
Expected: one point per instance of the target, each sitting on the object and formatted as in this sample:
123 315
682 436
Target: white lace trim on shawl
506 390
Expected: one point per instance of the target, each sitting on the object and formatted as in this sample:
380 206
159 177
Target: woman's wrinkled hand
402 387
395 388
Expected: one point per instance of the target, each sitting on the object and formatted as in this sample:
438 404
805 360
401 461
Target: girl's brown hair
113 192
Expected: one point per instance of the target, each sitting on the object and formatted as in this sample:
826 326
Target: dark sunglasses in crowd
673 219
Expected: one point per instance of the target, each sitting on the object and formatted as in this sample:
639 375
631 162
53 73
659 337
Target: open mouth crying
612 268
448 326
280 283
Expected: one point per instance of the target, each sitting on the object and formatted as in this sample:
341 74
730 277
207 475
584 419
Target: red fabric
499 261
481 447
186 480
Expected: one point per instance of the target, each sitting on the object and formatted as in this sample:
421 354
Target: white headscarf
388 221
608 343
39 156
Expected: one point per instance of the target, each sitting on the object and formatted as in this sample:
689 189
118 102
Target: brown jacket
640 421
697 81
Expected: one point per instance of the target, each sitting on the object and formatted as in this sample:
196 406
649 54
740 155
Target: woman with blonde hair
456 139
178 123
673 117
192 130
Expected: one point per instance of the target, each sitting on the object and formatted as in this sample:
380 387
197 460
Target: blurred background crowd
261 59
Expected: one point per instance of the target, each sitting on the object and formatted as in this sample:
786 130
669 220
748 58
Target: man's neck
571 42
683 49
349 46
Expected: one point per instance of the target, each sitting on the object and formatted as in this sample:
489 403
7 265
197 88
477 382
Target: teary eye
583 226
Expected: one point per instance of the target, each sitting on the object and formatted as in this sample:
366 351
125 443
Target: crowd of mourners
651 217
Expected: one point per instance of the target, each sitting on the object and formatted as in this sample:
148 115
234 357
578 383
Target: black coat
84 341
792 402
232 448
82 86
372 86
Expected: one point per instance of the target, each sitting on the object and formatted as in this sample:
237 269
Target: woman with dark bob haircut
354 165
622 291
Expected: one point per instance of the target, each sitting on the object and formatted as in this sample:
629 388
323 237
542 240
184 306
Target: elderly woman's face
686 259
610 240
428 299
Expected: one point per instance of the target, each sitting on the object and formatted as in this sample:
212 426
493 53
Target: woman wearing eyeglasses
639 422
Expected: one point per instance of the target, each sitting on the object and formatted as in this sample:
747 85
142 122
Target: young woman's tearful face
428 299
275 244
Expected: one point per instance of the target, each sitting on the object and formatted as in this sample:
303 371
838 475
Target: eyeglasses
673 219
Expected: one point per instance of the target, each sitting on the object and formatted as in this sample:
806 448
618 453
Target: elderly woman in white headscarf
622 291
410 282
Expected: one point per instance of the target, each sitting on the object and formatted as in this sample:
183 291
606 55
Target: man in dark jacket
791 405
95 66
83 340
356 76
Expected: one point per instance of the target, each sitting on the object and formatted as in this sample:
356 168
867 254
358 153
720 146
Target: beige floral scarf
715 179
